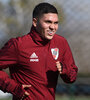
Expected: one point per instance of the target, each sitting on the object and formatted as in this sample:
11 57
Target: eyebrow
51 21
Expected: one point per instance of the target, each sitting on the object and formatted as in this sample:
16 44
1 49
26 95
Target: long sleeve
9 57
69 72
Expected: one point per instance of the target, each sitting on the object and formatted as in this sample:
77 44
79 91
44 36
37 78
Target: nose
52 26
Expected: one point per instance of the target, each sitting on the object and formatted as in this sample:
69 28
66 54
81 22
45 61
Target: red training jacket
32 61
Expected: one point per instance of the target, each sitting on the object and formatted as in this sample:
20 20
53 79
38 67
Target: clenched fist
26 93
59 67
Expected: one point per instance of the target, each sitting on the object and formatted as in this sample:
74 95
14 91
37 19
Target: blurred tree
60 12
18 16
1 10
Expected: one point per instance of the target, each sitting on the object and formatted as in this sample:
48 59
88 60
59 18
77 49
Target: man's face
46 25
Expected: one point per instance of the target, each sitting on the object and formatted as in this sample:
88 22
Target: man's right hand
26 93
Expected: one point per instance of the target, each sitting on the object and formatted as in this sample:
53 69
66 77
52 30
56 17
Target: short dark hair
43 8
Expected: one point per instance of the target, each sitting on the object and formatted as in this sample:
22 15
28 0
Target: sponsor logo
55 53
34 57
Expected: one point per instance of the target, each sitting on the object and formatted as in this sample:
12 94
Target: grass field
64 97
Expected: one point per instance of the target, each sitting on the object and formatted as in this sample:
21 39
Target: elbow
69 79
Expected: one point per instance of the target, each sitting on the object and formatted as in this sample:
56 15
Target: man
35 60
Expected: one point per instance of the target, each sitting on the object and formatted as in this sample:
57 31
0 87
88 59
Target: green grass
9 98
64 97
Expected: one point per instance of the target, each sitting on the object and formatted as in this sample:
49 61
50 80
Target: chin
49 38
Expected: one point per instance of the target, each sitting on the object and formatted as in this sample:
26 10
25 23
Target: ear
34 22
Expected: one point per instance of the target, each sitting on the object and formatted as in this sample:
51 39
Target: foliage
60 12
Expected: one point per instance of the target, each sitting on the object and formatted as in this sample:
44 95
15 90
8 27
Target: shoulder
61 42
19 41
60 39
23 38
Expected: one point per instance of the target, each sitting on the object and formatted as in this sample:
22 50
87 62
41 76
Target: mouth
51 33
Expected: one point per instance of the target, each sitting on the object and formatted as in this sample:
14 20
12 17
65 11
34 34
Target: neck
36 36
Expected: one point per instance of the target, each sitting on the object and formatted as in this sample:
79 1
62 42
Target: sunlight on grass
66 97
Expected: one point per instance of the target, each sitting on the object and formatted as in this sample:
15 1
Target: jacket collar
37 38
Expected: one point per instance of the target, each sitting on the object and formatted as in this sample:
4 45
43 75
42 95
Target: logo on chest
55 53
34 57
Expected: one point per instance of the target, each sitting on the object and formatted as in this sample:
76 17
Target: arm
8 57
67 68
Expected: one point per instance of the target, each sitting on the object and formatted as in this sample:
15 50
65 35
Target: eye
56 23
48 21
